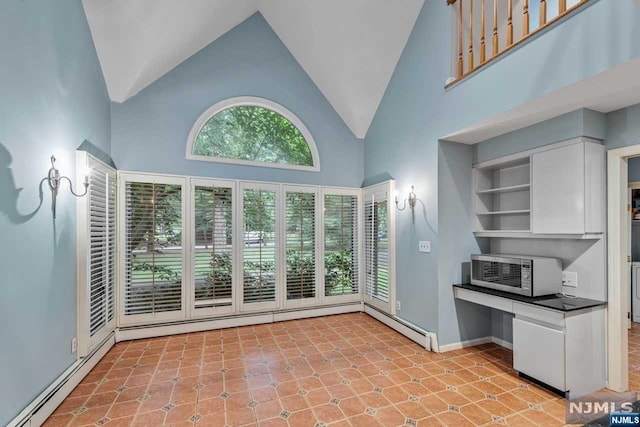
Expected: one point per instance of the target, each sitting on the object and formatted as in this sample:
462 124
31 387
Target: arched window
253 131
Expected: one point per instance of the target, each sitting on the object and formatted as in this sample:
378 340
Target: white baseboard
502 343
477 341
412 332
37 412
463 344
150 331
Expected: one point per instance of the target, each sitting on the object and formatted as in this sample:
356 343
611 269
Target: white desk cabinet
567 190
563 349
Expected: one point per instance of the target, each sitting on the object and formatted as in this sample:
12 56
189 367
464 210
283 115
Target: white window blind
102 238
153 258
300 218
213 246
341 245
376 235
259 246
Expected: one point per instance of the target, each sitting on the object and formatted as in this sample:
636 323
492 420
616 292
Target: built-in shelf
503 196
517 234
509 189
514 212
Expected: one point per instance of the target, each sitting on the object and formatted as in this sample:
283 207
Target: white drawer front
539 352
555 318
484 299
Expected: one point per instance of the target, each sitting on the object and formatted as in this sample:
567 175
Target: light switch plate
424 246
570 279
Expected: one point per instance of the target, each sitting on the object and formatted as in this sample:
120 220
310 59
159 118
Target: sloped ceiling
348 48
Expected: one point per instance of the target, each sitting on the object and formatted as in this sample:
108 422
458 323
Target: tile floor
346 370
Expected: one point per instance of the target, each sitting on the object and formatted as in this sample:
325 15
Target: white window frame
255 102
336 299
300 189
123 178
189 275
85 342
383 190
267 305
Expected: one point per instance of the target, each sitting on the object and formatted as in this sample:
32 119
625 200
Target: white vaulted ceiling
349 48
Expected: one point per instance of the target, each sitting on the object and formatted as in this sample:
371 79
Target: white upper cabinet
552 191
568 190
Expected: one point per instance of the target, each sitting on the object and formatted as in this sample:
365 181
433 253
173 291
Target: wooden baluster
470 56
543 13
510 24
562 6
460 62
483 53
525 18
495 28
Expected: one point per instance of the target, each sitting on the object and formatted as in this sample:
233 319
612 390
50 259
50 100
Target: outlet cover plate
570 279
424 246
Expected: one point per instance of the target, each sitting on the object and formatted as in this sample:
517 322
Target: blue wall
416 111
150 131
634 167
455 213
581 122
53 97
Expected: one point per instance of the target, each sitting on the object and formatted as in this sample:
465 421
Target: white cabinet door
539 351
558 191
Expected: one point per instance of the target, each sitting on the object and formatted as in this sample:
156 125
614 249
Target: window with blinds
213 246
376 235
300 218
153 248
101 248
259 245
340 244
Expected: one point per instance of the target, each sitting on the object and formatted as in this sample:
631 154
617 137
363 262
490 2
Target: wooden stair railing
469 66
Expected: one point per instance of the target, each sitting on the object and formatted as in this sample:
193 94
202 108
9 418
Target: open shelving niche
503 197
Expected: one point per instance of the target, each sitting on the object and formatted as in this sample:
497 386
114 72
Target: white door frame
618 285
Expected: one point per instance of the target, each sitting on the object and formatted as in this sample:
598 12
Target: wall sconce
412 200
54 179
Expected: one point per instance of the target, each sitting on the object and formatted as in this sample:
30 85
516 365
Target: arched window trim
256 102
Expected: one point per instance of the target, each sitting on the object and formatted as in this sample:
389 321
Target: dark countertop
553 302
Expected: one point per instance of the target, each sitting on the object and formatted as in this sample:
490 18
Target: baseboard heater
414 333
36 413
127 333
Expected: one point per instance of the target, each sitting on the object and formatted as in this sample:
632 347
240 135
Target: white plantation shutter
259 250
341 245
300 229
377 244
153 249
213 252
102 236
97 254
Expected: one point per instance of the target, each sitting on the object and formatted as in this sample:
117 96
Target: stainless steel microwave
519 274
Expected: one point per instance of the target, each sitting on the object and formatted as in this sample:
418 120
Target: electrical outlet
424 246
570 279
398 306
74 345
